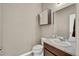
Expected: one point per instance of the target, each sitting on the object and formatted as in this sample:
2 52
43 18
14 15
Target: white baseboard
27 54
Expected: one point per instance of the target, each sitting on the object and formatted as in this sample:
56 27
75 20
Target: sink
60 43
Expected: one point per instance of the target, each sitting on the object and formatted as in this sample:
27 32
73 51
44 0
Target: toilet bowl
37 50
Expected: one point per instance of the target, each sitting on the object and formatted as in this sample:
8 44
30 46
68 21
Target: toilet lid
37 47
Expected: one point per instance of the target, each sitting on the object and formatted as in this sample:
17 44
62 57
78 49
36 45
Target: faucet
61 38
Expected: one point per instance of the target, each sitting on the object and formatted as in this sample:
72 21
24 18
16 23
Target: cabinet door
54 50
45 17
47 53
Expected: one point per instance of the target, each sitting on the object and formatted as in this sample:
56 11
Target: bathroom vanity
53 51
52 48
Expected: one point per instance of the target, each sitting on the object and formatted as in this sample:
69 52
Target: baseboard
27 54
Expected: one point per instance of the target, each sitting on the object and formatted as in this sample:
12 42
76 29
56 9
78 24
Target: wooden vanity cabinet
53 51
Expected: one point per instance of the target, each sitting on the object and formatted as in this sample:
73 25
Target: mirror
64 20
72 20
45 17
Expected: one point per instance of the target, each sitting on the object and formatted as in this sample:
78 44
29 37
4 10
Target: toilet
37 50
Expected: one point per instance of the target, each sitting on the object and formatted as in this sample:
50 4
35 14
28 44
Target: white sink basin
60 43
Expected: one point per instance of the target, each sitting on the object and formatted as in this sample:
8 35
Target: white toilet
37 50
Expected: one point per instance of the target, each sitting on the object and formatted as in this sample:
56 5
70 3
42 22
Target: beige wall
0 27
77 29
20 28
62 20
